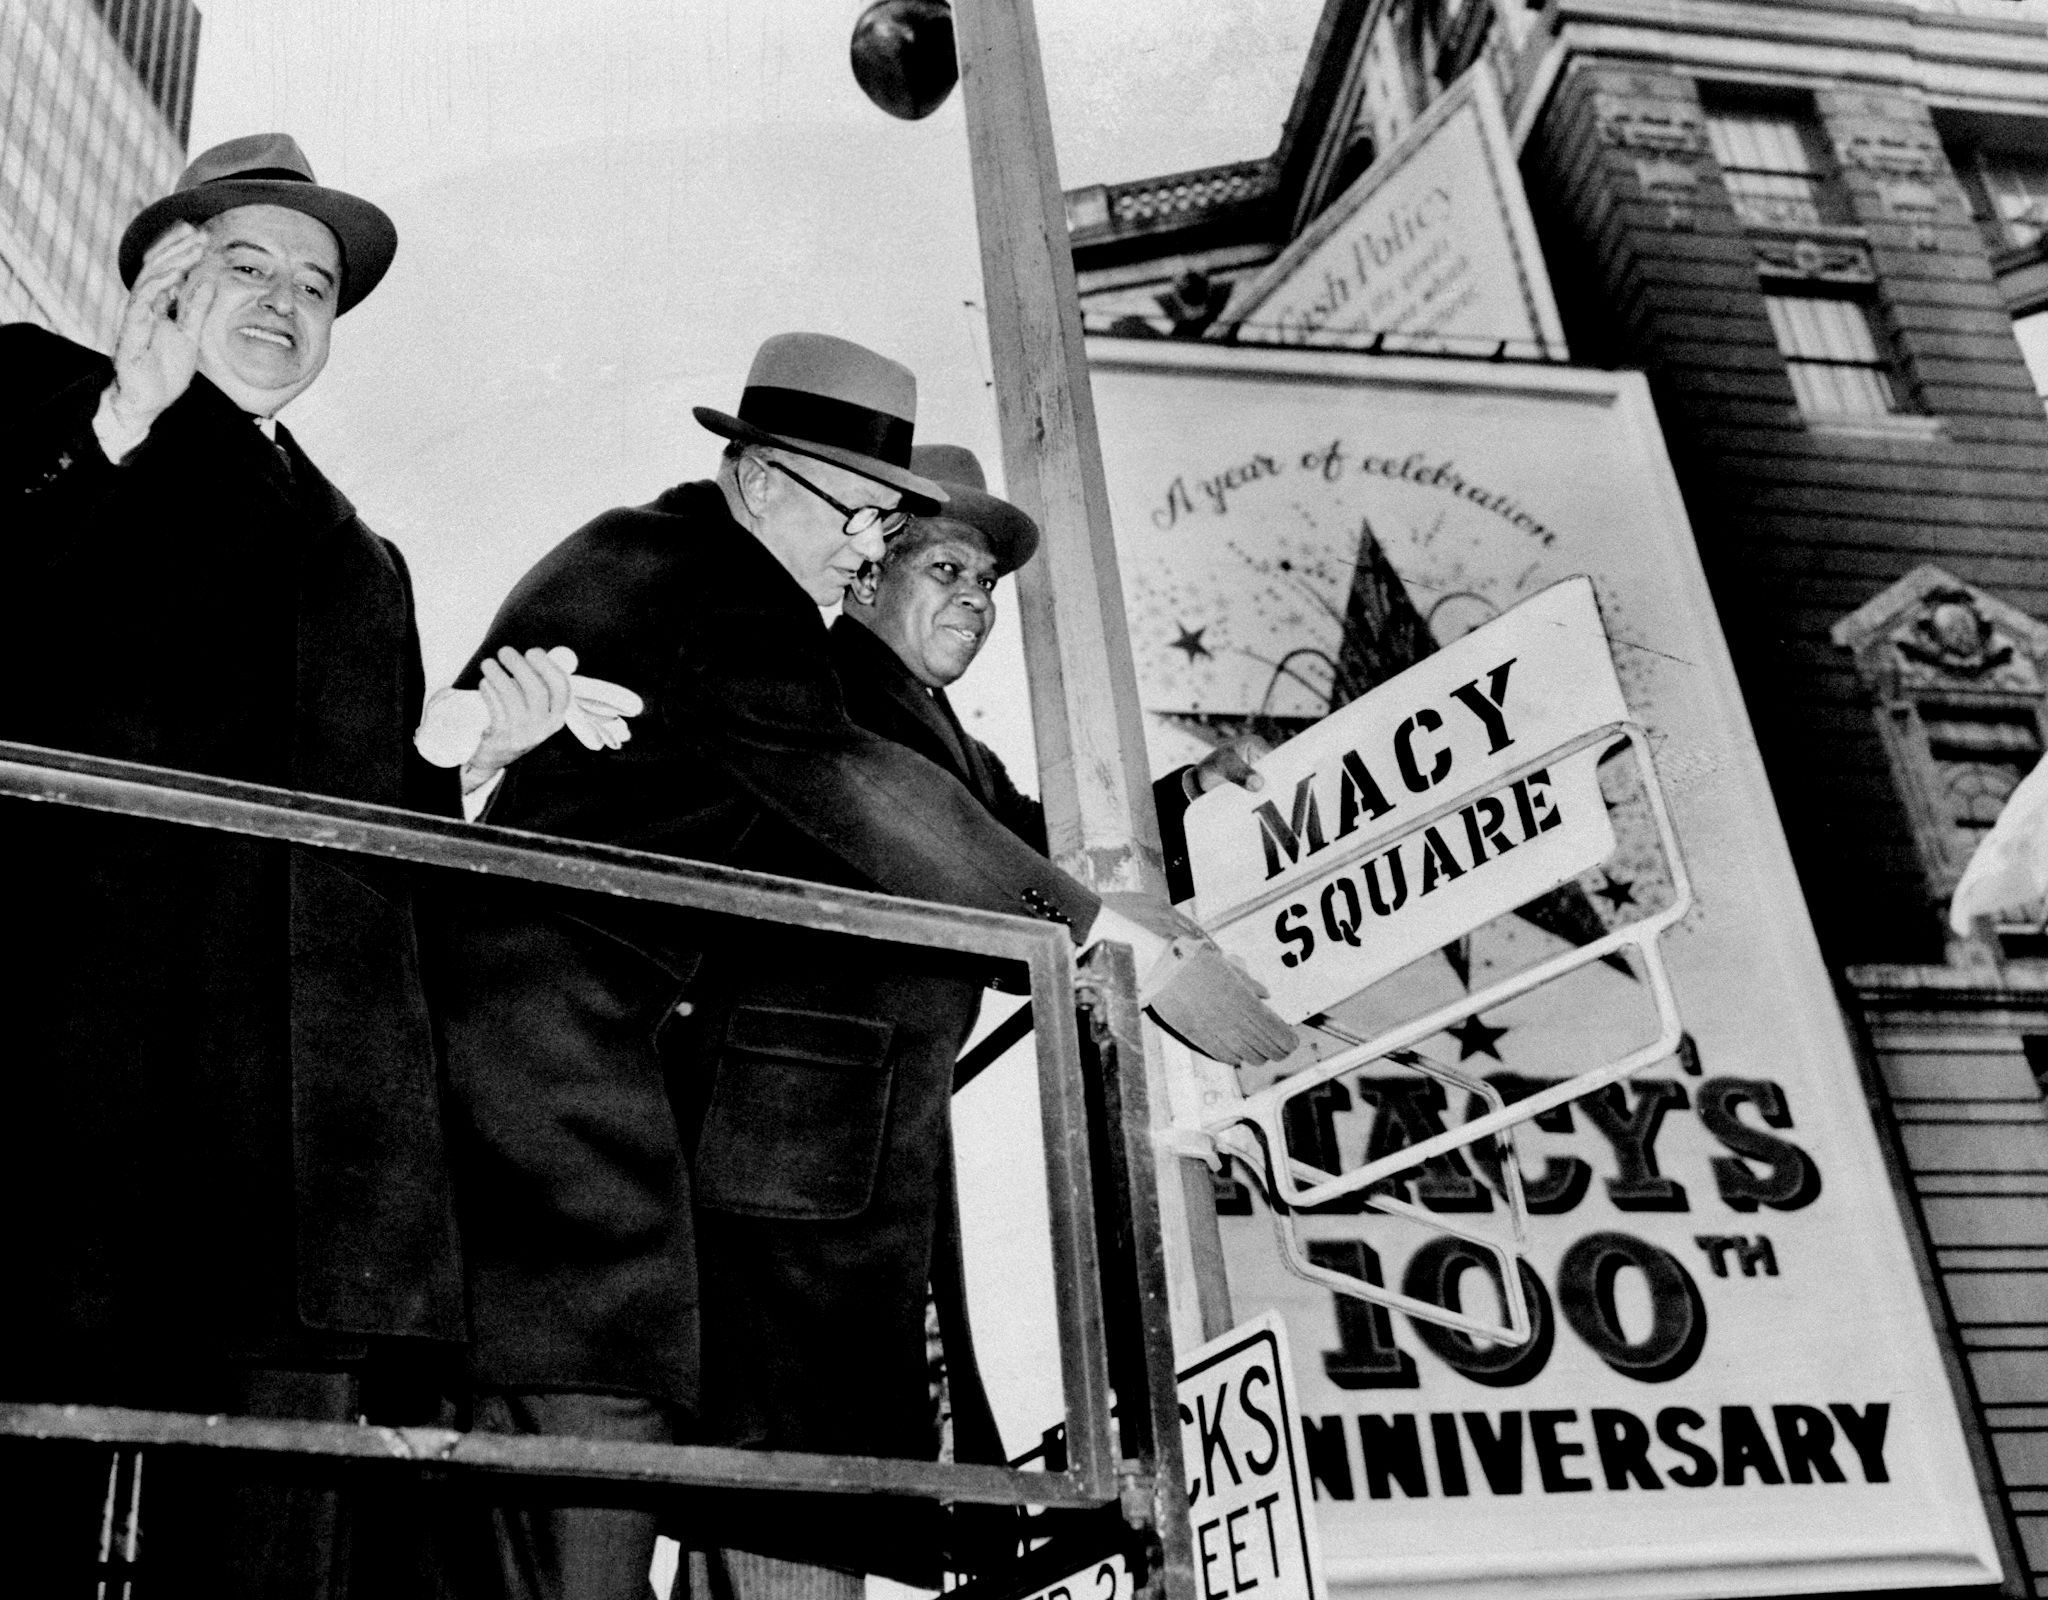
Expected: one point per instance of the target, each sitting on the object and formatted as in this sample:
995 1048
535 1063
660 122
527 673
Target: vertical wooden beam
1077 646
1084 689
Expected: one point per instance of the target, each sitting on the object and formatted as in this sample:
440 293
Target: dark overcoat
823 1216
226 1137
561 1012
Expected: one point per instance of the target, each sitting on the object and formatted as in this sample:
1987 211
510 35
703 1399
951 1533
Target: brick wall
1800 524
1968 1110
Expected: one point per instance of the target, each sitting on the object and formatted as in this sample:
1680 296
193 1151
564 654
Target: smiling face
278 278
807 535
934 602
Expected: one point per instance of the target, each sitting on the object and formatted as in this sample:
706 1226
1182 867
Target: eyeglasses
859 519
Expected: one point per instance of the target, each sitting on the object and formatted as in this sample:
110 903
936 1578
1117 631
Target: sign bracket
1253 1128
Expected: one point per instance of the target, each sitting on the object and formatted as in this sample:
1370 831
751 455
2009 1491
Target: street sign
1107 1579
1248 1486
1248 1490
1422 810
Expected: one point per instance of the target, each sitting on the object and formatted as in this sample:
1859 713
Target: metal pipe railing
1096 1474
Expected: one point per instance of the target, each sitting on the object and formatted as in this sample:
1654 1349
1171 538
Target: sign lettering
1347 883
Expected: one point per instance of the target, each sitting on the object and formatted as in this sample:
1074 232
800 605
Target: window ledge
1831 232
1899 425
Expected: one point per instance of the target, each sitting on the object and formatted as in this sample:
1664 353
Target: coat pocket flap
823 1037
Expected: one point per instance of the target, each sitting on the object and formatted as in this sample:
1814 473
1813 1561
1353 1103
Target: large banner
1433 241
1733 1385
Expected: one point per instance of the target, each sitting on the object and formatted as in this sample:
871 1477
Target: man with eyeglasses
563 1013
821 1242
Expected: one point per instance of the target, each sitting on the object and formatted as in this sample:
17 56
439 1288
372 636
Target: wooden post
1077 646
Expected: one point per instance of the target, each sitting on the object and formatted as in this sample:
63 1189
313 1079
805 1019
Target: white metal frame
1252 1127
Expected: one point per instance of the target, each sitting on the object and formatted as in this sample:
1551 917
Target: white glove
456 720
1197 993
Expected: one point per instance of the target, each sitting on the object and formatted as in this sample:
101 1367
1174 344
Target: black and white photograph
1191 800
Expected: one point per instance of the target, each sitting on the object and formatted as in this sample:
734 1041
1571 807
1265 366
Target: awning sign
1333 875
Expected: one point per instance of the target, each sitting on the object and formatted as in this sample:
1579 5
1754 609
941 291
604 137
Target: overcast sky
604 206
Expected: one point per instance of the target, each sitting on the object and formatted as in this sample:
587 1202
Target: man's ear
751 477
867 583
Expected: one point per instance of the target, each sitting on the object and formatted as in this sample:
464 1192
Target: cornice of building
1834 21
1205 196
1238 202
1989 54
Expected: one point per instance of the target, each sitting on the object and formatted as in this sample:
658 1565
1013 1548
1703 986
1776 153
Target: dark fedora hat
1012 537
269 169
832 399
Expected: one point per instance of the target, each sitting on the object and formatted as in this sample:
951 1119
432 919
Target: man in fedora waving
573 1177
227 1189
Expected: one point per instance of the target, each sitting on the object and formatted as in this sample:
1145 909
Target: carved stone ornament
1889 155
1673 130
1951 635
1930 632
1909 197
1666 178
1956 679
1824 260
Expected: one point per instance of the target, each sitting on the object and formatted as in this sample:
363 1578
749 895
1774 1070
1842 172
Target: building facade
95 105
1820 227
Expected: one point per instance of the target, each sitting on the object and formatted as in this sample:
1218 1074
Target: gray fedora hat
269 169
1012 537
833 399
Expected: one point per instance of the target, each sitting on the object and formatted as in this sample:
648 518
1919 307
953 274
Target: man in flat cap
818 1234
226 1187
573 1176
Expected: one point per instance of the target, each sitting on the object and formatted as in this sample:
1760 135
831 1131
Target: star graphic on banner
1617 892
1475 1038
1191 642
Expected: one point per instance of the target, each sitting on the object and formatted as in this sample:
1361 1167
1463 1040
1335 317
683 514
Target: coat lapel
974 762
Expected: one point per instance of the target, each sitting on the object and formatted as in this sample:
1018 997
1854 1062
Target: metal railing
1115 1337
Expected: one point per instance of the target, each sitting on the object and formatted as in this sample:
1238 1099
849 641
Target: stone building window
1831 350
2009 193
1979 754
1775 164
2007 186
1958 680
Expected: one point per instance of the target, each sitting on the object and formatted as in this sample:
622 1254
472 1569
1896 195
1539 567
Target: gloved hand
1193 990
456 720
1211 1004
598 709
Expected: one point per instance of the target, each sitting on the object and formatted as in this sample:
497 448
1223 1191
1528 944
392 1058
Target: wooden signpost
1077 648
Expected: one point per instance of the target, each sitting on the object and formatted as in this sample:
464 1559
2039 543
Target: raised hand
157 349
